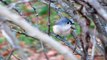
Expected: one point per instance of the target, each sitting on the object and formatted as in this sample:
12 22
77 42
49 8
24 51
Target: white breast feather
62 30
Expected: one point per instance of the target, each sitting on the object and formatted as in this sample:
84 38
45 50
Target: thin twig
43 49
14 8
93 48
49 23
67 43
97 6
33 8
17 57
11 53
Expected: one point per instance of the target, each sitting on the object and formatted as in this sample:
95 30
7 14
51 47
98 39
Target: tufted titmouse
64 26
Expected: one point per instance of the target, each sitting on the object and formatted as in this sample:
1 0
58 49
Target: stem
43 49
49 17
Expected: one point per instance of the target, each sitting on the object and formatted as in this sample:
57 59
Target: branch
49 14
94 45
6 31
100 10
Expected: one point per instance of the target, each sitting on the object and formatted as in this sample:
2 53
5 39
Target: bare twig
11 53
49 12
97 6
6 31
16 57
104 43
43 49
94 45
68 44
15 8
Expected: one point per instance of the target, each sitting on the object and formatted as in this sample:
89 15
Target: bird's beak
73 27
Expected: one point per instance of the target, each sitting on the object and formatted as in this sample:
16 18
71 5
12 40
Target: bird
64 26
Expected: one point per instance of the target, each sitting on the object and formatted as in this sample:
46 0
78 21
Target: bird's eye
68 22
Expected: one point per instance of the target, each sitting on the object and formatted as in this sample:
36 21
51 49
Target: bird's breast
61 30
